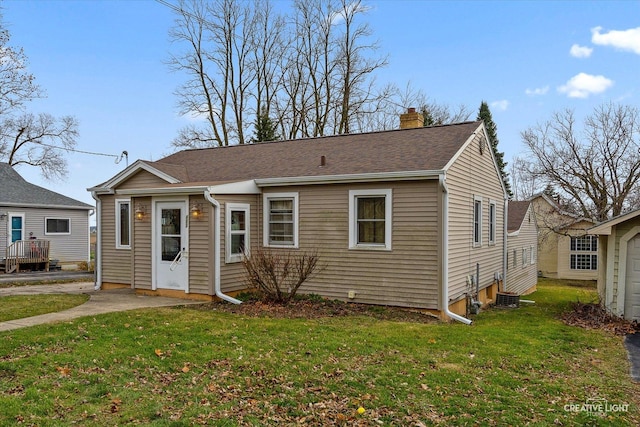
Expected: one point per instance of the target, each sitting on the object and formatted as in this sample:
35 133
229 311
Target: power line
118 157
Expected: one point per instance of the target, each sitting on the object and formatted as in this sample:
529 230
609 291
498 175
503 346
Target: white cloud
582 85
578 51
623 40
537 91
501 105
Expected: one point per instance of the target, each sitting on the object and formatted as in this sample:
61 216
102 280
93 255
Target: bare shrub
277 275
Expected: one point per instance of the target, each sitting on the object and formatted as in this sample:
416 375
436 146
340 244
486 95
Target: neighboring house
36 222
398 217
522 248
566 250
619 275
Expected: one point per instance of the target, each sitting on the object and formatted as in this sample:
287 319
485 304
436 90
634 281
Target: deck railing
22 252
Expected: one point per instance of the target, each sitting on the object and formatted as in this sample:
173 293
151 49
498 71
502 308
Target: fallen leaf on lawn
64 371
432 341
159 352
185 369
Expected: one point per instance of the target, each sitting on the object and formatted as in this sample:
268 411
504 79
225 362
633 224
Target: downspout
445 254
216 250
504 246
98 267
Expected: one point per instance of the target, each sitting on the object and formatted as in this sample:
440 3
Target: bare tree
219 75
25 138
596 169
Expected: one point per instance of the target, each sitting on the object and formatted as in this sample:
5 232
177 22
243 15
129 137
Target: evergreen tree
492 131
265 128
428 117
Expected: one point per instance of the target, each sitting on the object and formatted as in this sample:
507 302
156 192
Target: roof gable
606 226
16 191
516 215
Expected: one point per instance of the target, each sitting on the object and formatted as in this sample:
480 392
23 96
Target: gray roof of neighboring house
517 212
15 191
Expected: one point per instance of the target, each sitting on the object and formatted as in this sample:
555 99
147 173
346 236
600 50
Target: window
237 231
477 221
370 219
524 257
57 226
584 253
515 260
533 254
492 222
280 212
123 224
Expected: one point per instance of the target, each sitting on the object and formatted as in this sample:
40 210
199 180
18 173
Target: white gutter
98 267
445 254
504 245
349 178
216 250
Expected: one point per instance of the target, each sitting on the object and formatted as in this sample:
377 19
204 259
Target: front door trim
156 206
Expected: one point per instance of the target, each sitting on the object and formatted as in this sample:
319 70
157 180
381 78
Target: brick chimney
411 119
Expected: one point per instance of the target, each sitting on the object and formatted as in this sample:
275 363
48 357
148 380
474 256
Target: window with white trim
477 221
370 219
584 253
534 255
237 231
492 222
123 224
515 259
280 213
57 226
524 257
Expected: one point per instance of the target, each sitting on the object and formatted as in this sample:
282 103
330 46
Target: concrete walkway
99 302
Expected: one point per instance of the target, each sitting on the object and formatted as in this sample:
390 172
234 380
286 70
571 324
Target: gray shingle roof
14 191
419 149
517 212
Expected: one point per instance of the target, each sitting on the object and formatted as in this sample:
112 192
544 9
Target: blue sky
104 62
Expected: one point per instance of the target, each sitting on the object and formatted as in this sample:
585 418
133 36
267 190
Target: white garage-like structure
619 264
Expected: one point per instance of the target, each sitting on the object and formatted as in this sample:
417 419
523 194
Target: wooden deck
27 253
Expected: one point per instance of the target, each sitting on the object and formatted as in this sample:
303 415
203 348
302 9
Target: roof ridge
311 138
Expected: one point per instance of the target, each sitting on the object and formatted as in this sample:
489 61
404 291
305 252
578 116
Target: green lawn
20 306
180 366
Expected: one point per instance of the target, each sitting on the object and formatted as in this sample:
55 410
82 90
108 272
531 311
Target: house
522 248
399 217
619 269
566 250
37 224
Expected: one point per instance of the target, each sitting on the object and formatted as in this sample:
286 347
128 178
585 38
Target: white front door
632 283
171 257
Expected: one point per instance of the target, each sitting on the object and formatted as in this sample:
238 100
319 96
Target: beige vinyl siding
406 276
521 279
116 263
142 179
141 244
617 233
548 259
232 274
473 174
200 243
68 248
